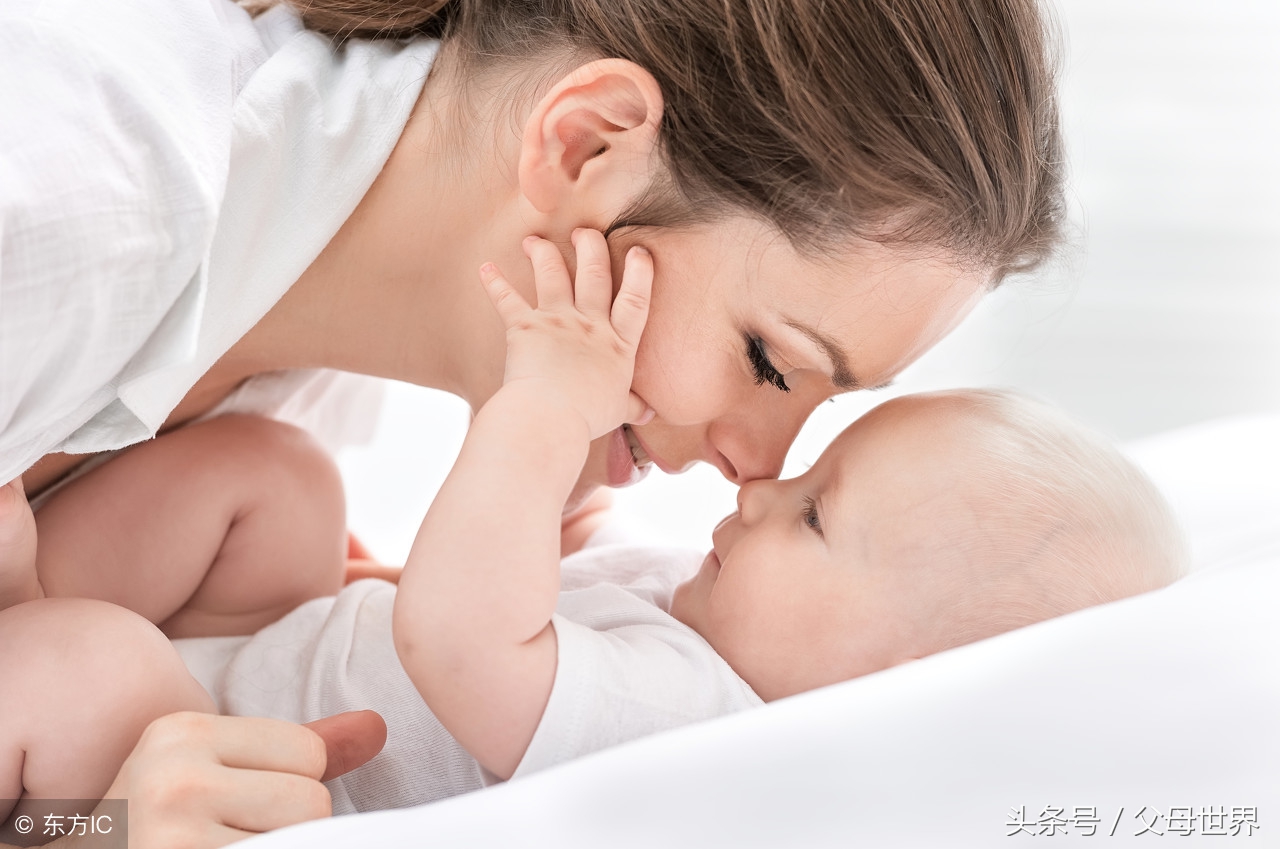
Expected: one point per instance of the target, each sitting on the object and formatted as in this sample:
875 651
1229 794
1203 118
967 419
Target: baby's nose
752 498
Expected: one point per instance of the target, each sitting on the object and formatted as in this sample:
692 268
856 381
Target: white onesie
625 668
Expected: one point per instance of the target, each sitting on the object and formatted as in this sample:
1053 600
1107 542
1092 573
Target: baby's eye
810 516
762 367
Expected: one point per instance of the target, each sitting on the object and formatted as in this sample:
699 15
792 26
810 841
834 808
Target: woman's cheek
686 384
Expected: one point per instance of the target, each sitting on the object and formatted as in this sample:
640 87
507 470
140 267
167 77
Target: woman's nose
750 450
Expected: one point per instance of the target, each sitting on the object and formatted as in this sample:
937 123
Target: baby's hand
18 581
578 346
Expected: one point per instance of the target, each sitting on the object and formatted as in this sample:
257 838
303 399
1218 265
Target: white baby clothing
625 668
168 169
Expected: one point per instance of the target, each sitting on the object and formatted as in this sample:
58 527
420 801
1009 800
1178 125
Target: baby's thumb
638 412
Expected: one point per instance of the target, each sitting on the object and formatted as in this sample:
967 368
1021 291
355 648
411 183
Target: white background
1164 312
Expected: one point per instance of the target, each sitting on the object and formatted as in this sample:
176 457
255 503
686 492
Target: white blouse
168 168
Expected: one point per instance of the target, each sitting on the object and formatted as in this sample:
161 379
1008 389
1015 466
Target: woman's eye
810 516
762 367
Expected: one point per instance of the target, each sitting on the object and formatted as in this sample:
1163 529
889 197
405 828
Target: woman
825 190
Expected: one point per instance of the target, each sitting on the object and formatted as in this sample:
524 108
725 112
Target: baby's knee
66 651
290 514
285 461
92 676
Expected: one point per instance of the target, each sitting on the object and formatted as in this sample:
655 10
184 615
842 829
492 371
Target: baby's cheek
734 614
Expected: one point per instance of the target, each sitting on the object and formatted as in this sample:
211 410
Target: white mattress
1158 703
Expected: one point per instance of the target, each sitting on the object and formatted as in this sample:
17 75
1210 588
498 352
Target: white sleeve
631 680
115 125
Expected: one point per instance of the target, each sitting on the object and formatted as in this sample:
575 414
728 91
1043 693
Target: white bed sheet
1162 702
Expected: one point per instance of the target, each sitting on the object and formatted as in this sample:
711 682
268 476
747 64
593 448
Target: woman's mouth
628 461
638 453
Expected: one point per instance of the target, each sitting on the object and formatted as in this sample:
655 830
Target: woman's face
737 315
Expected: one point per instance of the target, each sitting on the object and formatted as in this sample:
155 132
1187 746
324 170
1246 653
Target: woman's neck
395 292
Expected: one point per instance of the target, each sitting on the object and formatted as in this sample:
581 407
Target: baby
217 528
930 522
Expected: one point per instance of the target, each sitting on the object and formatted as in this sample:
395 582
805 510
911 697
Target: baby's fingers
552 285
631 306
505 299
638 412
593 284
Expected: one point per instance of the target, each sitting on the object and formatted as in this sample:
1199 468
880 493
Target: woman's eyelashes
810 516
762 367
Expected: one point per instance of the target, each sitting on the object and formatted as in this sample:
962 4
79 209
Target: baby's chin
679 602
689 596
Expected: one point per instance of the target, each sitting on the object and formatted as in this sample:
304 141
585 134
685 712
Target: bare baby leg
82 679
18 581
214 529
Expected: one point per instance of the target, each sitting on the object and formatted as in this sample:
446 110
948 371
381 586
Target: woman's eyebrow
841 375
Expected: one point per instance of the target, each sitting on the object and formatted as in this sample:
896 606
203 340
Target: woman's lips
643 452
638 453
627 462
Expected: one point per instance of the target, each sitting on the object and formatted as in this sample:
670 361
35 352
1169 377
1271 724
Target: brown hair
925 122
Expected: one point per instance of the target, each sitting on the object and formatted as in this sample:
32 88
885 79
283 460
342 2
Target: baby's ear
590 144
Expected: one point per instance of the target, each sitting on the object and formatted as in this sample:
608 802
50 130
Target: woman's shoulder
138 91
114 128
122 44
115 132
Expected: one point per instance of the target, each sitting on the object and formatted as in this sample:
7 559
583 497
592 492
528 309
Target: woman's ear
590 144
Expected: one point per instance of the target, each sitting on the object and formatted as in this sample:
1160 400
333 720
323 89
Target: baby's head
932 521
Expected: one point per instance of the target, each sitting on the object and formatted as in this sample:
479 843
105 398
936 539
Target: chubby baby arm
472 620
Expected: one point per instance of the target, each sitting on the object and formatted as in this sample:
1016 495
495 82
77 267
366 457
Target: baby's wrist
530 402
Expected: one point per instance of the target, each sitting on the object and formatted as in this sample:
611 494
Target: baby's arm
473 613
